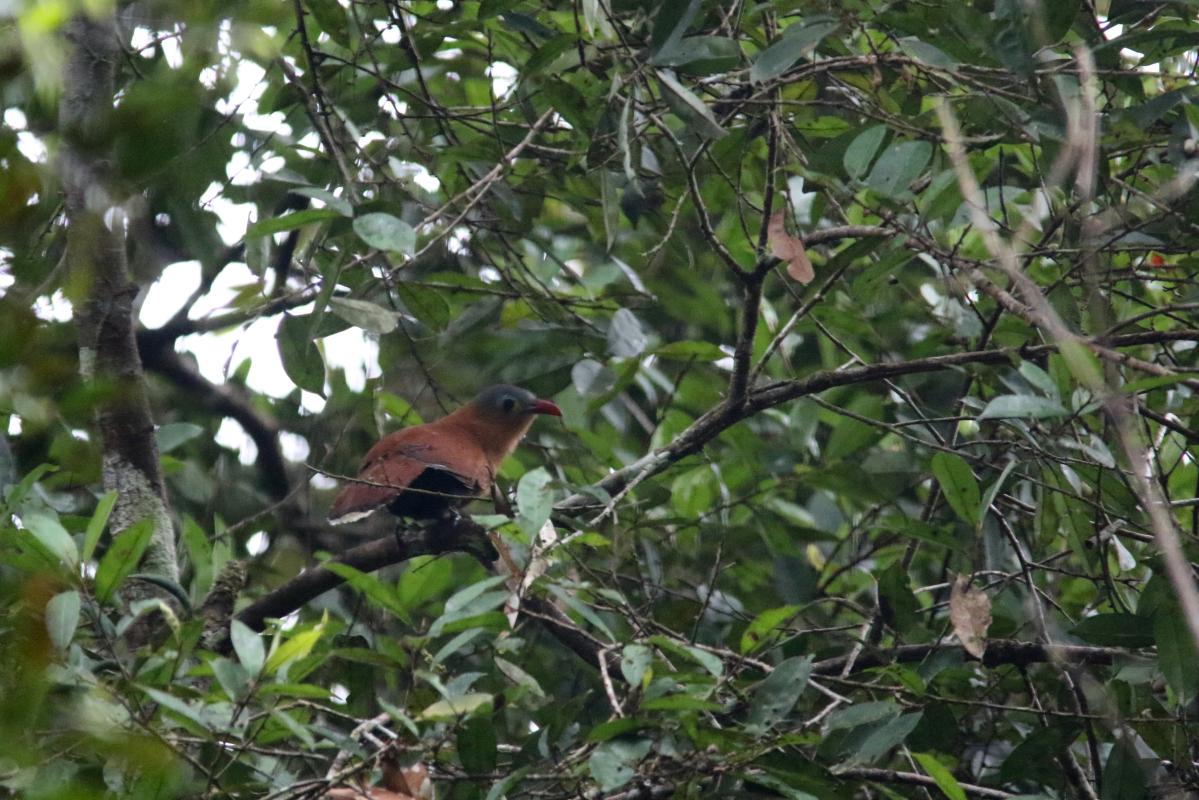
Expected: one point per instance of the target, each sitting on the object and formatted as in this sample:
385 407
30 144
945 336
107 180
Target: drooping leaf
945 781
62 617
386 232
248 645
690 106
1022 406
861 152
898 166
1177 653
363 314
613 763
796 42
958 485
774 697
1114 630
122 558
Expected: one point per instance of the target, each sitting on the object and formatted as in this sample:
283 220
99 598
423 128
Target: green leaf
862 149
534 500
680 702
757 633
461 706
16 494
1177 654
709 661
503 787
62 617
1040 379
248 646
370 585
477 745
898 166
778 785
1082 363
289 222
363 314
173 434
172 703
122 557
958 485
199 553
298 646
1023 406
1124 776
774 697
897 604
700 55
53 538
385 232
1114 630
796 42
693 492
301 359
332 18
850 435
626 338
634 663
993 490
686 351
887 736
617 727
861 714
671 20
948 784
520 677
547 54
614 763
426 304
232 677
690 107
923 51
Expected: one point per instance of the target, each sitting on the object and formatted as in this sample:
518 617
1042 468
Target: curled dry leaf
789 248
970 614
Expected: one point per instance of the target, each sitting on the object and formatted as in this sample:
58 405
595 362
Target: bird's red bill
547 407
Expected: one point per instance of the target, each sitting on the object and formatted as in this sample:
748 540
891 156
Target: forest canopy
872 327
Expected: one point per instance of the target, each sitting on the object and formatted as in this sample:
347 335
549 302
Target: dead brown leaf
399 783
789 248
411 781
970 614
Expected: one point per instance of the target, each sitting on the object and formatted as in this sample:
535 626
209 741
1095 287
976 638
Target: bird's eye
508 404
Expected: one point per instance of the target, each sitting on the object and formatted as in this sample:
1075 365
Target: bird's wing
399 458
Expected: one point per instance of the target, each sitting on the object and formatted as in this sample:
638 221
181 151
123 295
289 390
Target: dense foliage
872 324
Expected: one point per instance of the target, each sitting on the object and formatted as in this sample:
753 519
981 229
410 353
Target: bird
425 471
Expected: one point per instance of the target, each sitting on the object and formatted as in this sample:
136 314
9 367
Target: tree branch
724 415
999 652
224 400
102 294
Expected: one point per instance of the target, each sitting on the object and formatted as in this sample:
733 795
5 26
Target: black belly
436 492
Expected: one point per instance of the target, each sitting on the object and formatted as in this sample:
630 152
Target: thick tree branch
999 652
724 415
225 400
102 294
